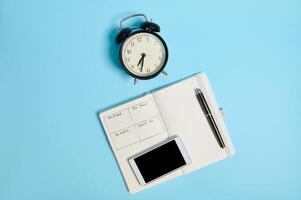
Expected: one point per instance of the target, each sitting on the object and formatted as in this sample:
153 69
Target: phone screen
160 161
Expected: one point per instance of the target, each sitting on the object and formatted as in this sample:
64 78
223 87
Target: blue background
59 67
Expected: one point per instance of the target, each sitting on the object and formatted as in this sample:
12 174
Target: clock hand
141 61
142 65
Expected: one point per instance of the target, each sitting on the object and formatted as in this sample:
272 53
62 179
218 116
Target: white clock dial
143 54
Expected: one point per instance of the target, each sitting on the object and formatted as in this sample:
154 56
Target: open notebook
156 116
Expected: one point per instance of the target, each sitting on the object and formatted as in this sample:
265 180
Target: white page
131 128
183 116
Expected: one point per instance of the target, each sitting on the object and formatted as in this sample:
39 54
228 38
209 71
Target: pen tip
198 91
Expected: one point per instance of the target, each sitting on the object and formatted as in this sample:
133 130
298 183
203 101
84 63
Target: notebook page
183 116
132 128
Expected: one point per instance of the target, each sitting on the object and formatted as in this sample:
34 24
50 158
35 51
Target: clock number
139 39
127 59
147 39
129 51
148 70
160 58
132 66
132 44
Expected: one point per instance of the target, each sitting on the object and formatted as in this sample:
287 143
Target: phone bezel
181 147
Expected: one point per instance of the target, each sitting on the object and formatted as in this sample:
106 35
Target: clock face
144 55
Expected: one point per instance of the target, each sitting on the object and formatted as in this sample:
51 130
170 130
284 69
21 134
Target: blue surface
58 69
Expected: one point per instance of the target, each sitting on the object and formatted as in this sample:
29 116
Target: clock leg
164 72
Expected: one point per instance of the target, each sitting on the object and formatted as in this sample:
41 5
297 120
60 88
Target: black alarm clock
143 53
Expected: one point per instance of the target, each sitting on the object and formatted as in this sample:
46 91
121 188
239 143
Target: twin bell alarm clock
143 53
